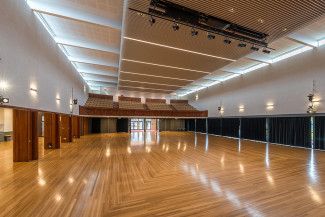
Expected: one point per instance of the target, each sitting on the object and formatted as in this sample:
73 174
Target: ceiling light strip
145 88
143 82
179 49
156 76
172 67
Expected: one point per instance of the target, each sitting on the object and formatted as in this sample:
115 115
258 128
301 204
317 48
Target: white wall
286 84
30 57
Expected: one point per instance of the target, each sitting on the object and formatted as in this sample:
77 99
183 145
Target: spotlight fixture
253 48
4 100
242 44
194 32
266 51
75 101
227 41
211 36
33 89
152 20
175 27
169 11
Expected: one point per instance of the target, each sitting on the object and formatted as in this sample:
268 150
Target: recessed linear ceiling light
144 88
143 82
180 49
156 76
172 67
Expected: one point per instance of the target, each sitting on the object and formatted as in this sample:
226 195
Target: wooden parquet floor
166 174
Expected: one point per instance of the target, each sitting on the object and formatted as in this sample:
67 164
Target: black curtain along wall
122 125
230 127
201 125
253 128
320 132
94 124
214 126
189 125
293 131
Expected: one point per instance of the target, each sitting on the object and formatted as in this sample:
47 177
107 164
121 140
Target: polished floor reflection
166 174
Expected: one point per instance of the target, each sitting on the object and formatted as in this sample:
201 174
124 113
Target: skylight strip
258 66
291 54
45 24
166 66
321 42
52 35
179 49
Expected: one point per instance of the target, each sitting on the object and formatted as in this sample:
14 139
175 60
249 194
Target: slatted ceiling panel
99 78
147 85
132 77
84 32
161 32
97 69
101 7
160 71
240 65
145 90
276 15
171 57
100 56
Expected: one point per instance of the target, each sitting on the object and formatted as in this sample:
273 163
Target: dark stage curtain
253 128
320 132
122 125
94 124
293 131
200 125
214 126
230 127
189 125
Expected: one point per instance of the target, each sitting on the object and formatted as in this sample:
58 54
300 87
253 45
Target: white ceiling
154 60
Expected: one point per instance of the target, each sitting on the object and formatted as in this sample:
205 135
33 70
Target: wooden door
51 131
66 131
85 125
25 135
75 127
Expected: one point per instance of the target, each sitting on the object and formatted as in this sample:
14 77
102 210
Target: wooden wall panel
75 127
25 135
34 134
66 128
51 131
85 125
